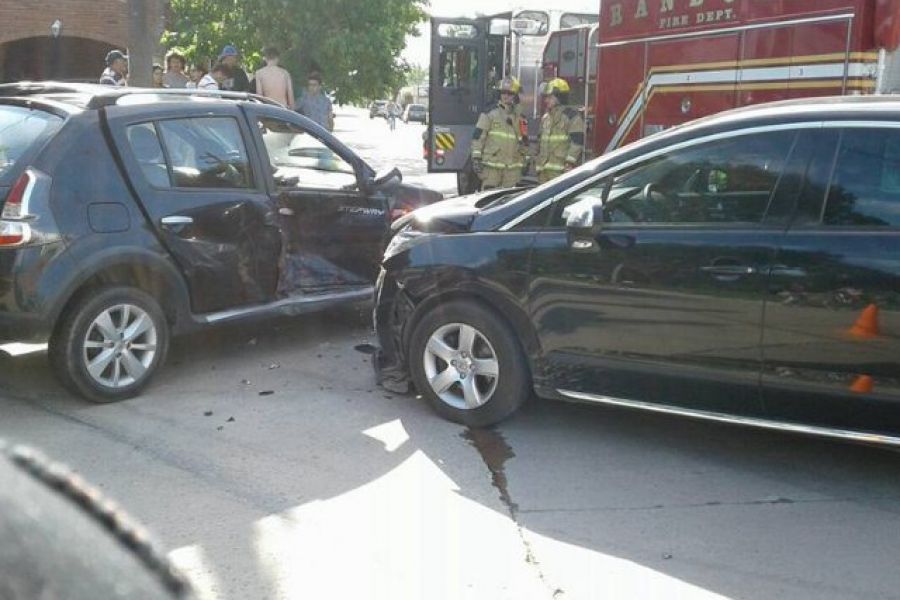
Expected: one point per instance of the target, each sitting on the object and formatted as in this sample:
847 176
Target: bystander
237 81
273 81
175 77
116 69
315 104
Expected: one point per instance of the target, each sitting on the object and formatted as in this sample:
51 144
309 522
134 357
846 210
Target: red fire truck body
664 62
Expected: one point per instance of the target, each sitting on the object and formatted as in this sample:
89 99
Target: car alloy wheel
461 366
120 346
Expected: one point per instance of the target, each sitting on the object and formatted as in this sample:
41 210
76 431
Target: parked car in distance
415 112
378 108
742 268
130 215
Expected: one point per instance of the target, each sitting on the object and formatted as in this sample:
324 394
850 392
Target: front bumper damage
391 314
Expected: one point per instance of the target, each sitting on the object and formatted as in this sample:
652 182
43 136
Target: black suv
744 267
132 215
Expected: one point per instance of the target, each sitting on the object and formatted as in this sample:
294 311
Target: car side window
723 182
299 159
148 152
865 187
206 152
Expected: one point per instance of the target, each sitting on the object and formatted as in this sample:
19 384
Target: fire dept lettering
702 12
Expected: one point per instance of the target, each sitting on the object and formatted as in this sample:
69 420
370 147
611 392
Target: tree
417 75
355 44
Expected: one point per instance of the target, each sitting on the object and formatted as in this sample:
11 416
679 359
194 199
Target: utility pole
141 44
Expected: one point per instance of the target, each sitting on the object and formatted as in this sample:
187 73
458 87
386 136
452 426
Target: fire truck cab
664 62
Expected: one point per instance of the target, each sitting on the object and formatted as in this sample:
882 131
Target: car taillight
13 231
13 234
12 208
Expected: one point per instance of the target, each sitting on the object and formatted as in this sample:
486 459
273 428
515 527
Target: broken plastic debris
274 366
266 393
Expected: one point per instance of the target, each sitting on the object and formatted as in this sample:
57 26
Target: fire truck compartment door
680 86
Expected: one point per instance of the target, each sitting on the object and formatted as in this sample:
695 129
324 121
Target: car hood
455 215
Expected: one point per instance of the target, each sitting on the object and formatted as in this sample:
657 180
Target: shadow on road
251 432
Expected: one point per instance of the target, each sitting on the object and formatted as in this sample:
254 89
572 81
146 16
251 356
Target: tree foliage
417 75
355 44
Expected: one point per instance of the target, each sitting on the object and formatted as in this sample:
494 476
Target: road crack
710 504
495 451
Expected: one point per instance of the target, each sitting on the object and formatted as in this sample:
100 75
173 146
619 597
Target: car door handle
286 212
177 220
729 270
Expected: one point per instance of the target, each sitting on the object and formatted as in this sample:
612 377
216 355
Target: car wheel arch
504 309
151 275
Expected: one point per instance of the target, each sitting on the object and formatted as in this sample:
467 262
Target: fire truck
572 54
652 64
469 56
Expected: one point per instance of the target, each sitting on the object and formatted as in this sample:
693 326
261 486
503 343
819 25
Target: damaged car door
198 185
334 224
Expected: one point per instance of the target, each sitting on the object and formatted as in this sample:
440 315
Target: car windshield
20 128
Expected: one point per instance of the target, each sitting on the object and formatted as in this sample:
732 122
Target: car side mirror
387 177
582 220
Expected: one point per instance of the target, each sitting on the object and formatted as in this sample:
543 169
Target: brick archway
42 57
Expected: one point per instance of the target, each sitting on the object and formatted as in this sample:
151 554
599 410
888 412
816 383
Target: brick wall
101 20
89 29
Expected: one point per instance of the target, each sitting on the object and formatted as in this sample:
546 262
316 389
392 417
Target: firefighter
497 150
562 132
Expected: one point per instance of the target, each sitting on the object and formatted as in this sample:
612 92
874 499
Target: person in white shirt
197 73
215 78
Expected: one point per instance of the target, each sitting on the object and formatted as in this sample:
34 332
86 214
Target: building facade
67 40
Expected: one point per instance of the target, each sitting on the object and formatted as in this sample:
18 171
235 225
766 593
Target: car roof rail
102 95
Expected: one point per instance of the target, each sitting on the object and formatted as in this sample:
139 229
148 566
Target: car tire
109 344
454 351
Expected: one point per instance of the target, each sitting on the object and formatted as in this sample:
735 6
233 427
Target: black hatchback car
132 215
744 267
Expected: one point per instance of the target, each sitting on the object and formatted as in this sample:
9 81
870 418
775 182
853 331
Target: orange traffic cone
866 325
862 385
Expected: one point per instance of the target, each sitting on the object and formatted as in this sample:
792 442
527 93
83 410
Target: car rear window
865 189
20 130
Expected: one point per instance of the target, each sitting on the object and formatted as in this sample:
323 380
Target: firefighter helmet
555 87
510 85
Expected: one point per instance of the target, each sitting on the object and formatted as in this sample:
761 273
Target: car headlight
403 241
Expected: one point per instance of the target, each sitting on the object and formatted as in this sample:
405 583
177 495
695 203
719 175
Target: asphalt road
268 462
384 149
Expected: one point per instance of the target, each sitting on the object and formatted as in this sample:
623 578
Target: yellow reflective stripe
503 134
494 165
555 137
571 159
551 167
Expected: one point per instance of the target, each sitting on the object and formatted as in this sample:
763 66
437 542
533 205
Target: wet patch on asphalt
495 451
